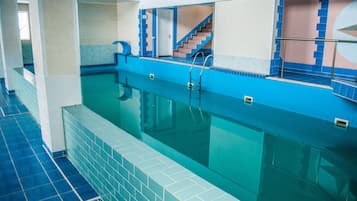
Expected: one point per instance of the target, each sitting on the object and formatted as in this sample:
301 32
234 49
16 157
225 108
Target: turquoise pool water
253 152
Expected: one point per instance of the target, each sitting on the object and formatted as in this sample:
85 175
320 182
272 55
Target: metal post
333 61
282 59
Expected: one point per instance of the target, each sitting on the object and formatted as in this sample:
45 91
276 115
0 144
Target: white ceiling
105 1
90 1
23 1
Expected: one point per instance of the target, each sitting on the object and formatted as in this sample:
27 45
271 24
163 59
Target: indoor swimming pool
252 151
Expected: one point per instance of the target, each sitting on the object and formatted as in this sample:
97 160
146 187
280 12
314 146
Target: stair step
185 50
193 41
179 54
204 34
206 30
189 46
201 38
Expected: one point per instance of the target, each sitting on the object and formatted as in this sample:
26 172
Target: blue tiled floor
26 171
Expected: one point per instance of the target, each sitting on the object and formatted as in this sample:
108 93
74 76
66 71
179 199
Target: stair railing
321 40
201 73
190 84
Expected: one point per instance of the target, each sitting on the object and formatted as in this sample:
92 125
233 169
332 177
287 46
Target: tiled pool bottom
26 171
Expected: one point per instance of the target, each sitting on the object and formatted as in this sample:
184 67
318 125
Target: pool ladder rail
190 84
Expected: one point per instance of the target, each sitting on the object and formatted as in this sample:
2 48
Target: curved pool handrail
190 85
205 62
201 73
125 45
195 58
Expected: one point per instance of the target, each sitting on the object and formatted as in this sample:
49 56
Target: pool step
345 89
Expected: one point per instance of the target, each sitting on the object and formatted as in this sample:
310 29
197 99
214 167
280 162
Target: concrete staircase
192 45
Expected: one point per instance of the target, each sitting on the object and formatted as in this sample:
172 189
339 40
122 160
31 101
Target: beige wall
243 35
97 23
128 29
60 49
190 16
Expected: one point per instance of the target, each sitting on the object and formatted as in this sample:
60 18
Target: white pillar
55 40
10 43
1 60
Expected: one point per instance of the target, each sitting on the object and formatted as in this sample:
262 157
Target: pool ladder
190 84
201 73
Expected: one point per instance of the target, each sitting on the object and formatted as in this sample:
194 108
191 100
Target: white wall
97 23
144 4
1 62
10 43
128 24
244 35
98 29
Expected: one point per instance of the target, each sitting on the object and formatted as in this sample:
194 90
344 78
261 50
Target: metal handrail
192 64
205 62
335 41
317 39
201 73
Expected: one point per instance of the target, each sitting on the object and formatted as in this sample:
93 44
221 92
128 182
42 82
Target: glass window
24 25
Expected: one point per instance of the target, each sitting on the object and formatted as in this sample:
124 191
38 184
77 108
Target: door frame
171 26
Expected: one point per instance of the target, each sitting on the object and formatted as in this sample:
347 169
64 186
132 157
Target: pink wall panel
300 19
336 7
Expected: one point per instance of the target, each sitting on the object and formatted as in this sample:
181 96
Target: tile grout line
2 112
13 164
95 198
64 176
35 154
13 116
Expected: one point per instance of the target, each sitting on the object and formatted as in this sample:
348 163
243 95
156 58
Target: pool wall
26 92
90 54
27 55
311 101
293 126
119 166
97 54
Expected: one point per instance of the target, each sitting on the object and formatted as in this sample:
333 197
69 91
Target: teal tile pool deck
120 167
26 90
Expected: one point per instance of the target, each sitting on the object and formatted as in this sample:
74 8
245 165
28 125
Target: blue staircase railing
200 46
194 30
